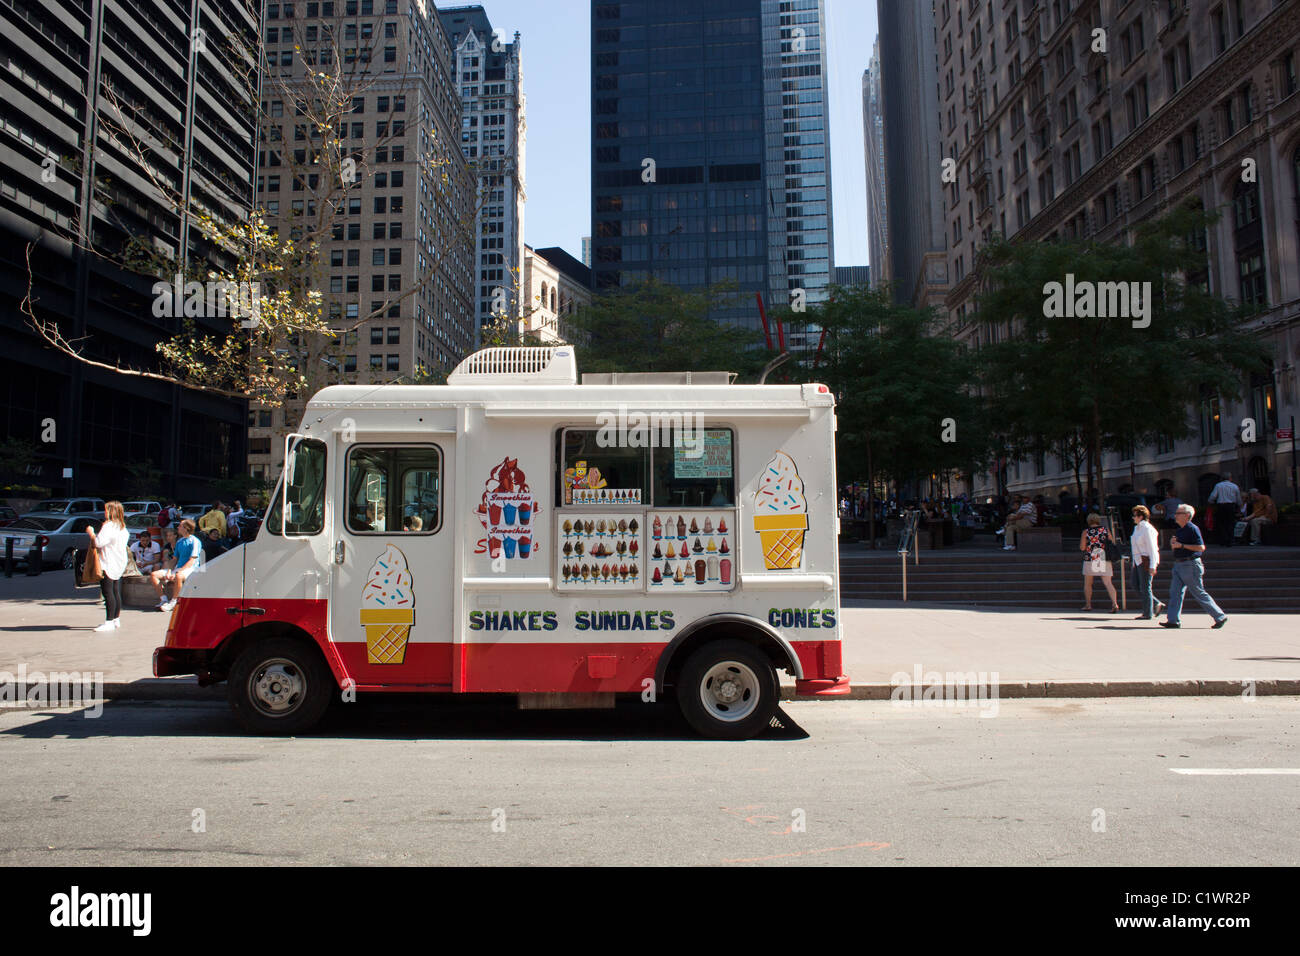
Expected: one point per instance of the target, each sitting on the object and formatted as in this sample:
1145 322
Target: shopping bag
91 569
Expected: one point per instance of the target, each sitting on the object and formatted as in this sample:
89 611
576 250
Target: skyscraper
488 73
873 131
910 98
710 148
398 244
77 76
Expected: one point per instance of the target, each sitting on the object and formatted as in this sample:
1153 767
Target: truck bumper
835 687
176 661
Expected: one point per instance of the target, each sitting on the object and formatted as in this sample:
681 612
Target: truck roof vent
534 365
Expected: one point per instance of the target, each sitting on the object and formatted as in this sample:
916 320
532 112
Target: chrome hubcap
730 691
277 687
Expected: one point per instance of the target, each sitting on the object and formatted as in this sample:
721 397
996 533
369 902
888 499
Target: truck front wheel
728 690
280 686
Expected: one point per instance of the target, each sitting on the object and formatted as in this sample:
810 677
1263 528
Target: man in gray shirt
1227 502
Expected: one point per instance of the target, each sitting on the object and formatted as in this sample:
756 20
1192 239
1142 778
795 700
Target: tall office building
909 93
489 77
873 135
710 148
1054 139
852 275
75 74
403 245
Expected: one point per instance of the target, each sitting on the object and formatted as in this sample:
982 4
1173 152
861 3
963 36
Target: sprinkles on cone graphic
388 608
781 514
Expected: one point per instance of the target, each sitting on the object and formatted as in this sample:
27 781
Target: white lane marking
1235 771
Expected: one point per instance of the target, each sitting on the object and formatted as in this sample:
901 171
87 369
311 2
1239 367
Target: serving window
689 468
598 472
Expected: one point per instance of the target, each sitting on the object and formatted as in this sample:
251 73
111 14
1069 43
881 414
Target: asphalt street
419 781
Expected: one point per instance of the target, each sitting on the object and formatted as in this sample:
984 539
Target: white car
142 507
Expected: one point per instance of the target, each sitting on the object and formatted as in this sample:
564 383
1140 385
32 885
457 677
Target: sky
556 41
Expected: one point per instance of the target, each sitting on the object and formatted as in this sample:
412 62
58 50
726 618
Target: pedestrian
1168 508
147 552
214 518
110 542
1146 559
213 544
1022 519
168 549
165 516
1262 512
1095 564
188 558
1226 498
1188 571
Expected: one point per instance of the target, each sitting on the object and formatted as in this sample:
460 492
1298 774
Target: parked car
70 506
142 507
195 512
7 516
140 521
63 535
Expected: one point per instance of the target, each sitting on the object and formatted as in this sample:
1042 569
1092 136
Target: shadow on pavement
410 717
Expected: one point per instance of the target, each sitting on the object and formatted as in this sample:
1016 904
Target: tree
1115 379
288 343
901 386
656 327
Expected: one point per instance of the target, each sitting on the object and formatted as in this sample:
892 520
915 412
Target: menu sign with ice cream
388 608
691 551
600 552
506 512
781 514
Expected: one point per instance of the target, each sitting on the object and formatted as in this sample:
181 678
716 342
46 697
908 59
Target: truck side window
394 490
305 473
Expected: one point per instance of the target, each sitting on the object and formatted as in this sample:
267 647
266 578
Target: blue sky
555 36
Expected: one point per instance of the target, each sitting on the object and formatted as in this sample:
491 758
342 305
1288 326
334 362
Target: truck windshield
305 473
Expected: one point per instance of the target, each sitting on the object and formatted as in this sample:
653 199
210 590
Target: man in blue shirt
1188 571
189 556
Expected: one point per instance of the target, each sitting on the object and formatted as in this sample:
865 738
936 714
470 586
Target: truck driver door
391 595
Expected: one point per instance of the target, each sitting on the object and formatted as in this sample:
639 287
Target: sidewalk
46 625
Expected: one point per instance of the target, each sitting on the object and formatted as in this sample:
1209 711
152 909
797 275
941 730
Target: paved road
414 781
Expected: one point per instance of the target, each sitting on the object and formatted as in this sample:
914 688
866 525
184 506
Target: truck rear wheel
728 690
280 686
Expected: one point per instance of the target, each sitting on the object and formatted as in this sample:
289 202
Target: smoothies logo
506 512
781 514
388 608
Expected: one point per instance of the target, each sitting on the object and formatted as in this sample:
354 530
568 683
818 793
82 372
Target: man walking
1262 512
1188 571
1146 559
1226 498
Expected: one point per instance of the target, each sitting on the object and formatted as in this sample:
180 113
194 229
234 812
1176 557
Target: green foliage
656 327
142 479
896 377
1100 382
16 457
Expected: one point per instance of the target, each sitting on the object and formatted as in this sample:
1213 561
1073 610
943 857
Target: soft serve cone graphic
781 514
388 608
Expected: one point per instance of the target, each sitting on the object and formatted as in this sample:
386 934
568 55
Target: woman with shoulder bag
1093 543
110 545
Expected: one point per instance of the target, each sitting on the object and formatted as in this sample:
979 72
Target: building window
393 363
1211 423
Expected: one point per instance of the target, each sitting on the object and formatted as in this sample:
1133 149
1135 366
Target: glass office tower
693 181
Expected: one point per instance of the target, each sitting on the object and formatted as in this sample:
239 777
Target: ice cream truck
516 532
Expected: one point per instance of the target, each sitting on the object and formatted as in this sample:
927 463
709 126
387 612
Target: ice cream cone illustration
388 608
781 514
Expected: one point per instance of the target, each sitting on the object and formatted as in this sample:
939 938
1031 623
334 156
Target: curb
1010 690
155 689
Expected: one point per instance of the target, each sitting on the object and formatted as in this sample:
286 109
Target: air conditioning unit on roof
552 365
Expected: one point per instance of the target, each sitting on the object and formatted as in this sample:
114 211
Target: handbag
91 569
1111 549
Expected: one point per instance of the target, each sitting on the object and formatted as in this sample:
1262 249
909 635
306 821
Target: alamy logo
624 429
217 299
75 908
1098 300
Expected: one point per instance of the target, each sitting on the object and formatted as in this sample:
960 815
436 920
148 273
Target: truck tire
280 686
728 690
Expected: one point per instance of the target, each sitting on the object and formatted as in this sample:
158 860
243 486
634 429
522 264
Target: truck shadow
410 717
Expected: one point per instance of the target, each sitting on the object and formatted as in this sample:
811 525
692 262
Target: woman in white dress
111 545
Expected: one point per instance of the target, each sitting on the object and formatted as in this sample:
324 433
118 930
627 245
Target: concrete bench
1039 540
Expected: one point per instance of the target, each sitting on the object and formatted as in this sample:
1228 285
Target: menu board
710 459
600 552
691 550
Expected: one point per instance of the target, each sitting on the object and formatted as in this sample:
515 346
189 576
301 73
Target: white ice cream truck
515 532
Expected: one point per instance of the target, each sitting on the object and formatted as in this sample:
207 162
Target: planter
138 592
